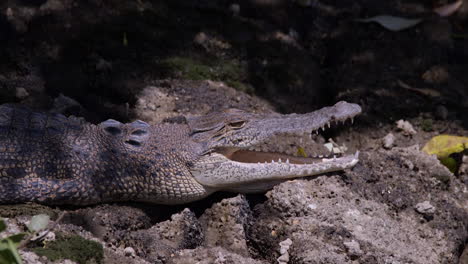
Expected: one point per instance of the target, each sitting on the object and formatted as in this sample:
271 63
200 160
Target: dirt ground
154 60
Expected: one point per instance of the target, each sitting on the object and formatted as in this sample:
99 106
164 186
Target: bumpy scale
52 159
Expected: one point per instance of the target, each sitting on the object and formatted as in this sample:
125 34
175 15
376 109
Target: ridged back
16 121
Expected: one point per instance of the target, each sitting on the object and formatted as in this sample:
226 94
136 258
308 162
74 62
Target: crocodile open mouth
292 148
249 156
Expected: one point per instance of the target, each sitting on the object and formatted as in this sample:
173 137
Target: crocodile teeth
352 121
287 161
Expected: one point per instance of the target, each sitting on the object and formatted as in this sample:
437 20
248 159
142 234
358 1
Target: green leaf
9 252
2 225
6 256
3 245
14 251
38 222
391 22
16 238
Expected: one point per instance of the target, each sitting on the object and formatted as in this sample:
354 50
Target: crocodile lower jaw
217 171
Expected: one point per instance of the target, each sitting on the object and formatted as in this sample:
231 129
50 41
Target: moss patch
427 125
72 247
232 72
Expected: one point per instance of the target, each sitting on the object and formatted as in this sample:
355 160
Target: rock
284 248
158 243
54 5
464 165
234 8
200 38
436 75
171 98
110 222
118 256
425 208
224 225
29 257
353 247
49 237
464 256
129 251
66 105
21 93
406 127
154 104
204 255
103 65
441 112
354 216
388 141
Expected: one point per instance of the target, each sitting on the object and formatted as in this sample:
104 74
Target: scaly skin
51 159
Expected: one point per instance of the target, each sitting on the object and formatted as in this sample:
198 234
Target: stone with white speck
388 141
406 127
353 247
129 251
284 248
425 208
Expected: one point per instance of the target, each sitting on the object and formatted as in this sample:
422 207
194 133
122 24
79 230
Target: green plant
73 247
9 245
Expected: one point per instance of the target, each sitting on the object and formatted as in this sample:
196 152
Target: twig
30 237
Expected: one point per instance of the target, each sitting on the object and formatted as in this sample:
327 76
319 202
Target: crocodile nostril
133 142
113 130
139 132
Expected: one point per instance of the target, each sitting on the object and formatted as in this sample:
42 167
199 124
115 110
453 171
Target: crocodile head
251 152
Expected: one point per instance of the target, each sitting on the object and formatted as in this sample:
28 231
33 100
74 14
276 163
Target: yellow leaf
444 145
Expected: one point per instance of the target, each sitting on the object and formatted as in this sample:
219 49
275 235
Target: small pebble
200 38
21 93
103 65
353 248
436 74
425 208
235 9
388 141
284 248
406 127
129 252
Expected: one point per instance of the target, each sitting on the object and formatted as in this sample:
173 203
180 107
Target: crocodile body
52 159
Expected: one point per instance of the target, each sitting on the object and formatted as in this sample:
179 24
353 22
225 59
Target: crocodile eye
237 124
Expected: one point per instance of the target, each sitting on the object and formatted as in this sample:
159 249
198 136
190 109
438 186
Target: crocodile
52 159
